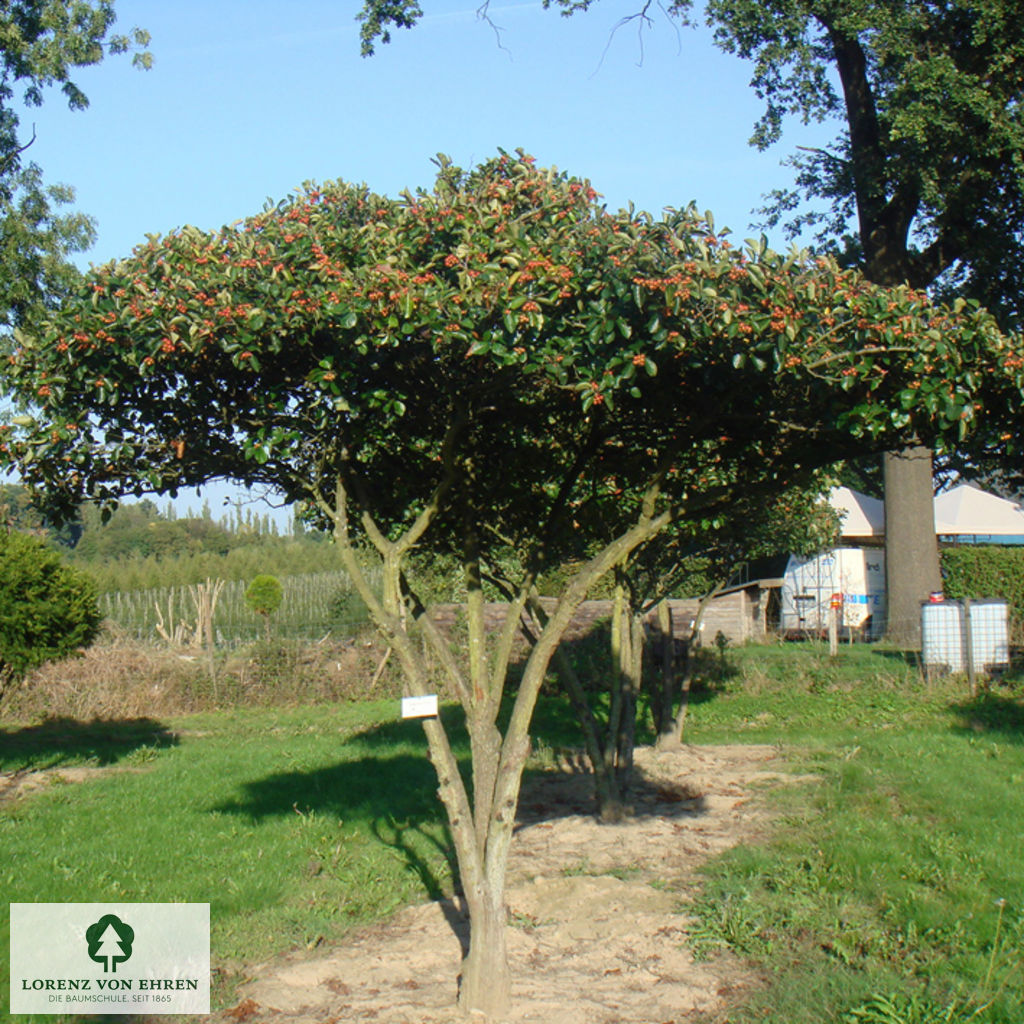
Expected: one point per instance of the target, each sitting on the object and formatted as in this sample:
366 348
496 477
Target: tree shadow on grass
991 713
59 741
394 792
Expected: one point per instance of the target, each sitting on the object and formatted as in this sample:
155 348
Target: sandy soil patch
16 784
595 938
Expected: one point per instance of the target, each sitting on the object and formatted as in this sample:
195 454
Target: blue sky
247 99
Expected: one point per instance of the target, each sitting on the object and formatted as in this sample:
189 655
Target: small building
856 574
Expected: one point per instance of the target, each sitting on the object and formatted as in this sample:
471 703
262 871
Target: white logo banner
98 958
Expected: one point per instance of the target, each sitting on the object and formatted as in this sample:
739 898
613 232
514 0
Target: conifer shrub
48 610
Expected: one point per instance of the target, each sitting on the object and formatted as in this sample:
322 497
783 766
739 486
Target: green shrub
264 596
47 609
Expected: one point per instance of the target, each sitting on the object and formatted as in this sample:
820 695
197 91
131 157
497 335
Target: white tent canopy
964 511
860 515
969 511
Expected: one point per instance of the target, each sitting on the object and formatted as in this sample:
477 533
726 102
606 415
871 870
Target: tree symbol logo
110 942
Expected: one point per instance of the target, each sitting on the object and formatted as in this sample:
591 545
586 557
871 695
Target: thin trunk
628 655
672 738
482 707
612 803
667 690
606 792
632 682
604 783
619 639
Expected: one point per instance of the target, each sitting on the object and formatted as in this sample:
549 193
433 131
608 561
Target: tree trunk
671 737
481 830
911 551
605 783
485 985
626 657
663 694
632 679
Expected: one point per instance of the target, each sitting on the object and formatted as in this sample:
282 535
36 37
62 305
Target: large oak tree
42 43
924 183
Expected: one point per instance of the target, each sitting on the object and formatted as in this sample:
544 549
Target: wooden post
834 605
969 644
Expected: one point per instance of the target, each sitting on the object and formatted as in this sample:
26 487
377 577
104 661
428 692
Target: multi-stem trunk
627 644
481 830
609 748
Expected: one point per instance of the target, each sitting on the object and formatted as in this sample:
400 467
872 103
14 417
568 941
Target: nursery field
313 605
889 888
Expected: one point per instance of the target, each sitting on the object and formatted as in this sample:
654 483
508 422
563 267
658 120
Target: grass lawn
893 890
892 893
294 824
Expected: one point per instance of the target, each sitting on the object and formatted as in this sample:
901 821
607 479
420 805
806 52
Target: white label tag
419 707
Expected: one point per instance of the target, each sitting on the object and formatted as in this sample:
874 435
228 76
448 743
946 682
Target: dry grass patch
123 678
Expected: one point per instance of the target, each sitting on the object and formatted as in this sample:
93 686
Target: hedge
984 572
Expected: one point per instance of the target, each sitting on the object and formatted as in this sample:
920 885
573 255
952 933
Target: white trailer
857 574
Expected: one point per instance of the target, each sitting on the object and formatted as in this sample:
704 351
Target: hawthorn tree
923 185
470 370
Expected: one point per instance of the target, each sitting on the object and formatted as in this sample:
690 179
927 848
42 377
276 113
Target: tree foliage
42 43
47 609
928 171
479 369
924 183
929 165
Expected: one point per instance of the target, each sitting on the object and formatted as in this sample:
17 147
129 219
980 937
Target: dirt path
592 941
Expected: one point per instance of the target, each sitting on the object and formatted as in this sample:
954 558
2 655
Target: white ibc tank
942 635
990 644
946 627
